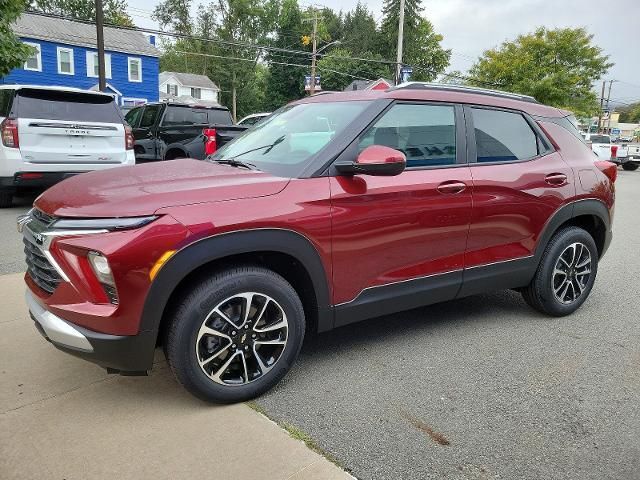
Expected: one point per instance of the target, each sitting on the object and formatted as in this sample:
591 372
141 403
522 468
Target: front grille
40 270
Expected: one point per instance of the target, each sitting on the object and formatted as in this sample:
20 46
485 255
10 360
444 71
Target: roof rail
462 89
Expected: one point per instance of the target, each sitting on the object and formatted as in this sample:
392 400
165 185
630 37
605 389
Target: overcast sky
471 26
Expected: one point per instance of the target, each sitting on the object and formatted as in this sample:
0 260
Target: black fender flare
588 206
223 245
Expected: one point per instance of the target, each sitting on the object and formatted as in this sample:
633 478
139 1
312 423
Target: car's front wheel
566 273
630 166
236 334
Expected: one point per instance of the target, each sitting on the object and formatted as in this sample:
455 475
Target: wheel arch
172 150
590 214
288 253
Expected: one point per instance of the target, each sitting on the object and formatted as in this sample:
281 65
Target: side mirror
375 160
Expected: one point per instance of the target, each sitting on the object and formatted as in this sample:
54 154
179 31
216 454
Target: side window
426 134
177 116
133 117
149 116
503 136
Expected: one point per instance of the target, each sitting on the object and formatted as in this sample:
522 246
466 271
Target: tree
175 14
13 52
631 113
286 82
557 67
421 44
338 69
115 11
360 31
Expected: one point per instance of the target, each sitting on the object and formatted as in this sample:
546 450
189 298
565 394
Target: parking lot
482 387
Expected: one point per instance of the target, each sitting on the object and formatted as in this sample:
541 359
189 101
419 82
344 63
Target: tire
631 166
545 292
6 199
218 304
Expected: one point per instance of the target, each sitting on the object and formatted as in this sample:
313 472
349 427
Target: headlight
102 223
102 270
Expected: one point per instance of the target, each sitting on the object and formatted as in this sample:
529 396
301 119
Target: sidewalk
61 417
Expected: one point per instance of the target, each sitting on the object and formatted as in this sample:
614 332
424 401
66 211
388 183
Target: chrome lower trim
57 330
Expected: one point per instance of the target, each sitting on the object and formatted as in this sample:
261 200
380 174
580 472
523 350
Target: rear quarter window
69 106
219 117
6 97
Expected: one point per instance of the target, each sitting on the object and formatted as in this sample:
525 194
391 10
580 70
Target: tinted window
220 117
5 102
184 116
503 136
426 134
599 138
149 116
133 116
58 105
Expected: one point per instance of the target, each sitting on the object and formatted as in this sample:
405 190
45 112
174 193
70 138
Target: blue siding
147 89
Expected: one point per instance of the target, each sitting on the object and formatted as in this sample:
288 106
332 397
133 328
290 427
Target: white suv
50 133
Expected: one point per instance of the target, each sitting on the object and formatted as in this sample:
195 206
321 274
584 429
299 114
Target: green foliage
631 113
332 66
421 45
115 11
558 67
13 52
269 78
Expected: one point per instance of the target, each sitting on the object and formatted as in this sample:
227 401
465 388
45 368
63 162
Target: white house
199 87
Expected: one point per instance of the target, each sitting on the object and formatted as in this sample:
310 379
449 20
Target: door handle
452 187
556 179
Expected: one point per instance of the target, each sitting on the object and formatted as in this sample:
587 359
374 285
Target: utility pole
400 41
312 85
608 109
601 107
102 80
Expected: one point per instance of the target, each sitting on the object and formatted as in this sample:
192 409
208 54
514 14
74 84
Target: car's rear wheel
630 166
236 334
6 199
566 273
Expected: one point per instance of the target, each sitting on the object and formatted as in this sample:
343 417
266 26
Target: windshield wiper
236 163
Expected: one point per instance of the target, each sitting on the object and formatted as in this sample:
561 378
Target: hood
142 189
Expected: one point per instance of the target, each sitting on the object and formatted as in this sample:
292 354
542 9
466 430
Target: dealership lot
483 387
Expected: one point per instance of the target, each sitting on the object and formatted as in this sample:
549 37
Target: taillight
129 141
614 151
608 168
9 129
210 145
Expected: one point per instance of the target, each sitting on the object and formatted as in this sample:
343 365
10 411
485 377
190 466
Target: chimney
152 40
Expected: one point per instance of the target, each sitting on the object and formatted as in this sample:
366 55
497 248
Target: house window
34 62
92 64
133 102
135 69
196 93
65 61
172 89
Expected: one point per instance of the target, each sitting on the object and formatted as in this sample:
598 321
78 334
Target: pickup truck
627 155
166 131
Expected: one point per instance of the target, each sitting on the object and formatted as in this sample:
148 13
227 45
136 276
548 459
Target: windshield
287 141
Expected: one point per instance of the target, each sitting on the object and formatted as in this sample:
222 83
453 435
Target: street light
335 42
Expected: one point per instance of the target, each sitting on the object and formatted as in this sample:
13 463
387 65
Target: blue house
66 55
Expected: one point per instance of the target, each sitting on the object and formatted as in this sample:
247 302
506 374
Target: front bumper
125 354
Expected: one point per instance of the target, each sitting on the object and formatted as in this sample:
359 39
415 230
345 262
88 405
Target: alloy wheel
242 339
571 273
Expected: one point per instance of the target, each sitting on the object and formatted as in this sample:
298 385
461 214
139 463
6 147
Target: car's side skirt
419 292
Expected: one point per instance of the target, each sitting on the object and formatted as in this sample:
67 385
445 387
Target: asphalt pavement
479 388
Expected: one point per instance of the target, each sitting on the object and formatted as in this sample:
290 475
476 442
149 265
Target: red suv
335 209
